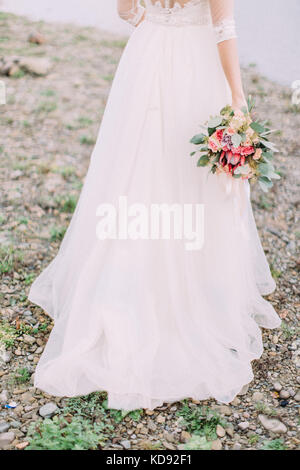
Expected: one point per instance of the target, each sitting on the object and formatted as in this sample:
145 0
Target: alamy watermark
154 222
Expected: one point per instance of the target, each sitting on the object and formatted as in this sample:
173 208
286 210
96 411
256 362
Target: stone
4 397
225 410
284 394
5 356
257 396
230 431
277 386
4 427
220 431
126 444
35 65
272 425
48 410
36 38
243 425
6 438
28 339
160 419
216 445
22 445
185 436
237 446
297 396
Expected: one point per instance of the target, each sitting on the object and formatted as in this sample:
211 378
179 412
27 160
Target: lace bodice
220 13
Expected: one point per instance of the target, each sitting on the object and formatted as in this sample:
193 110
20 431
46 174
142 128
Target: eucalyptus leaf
265 183
236 140
203 161
215 122
198 139
257 127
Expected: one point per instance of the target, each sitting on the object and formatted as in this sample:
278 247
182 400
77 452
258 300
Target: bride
147 320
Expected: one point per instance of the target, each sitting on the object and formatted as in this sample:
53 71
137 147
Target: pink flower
230 131
212 145
257 154
237 150
247 151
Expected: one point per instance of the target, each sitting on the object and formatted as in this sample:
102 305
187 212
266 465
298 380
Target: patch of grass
115 43
85 121
263 408
2 219
48 92
198 443
46 107
18 74
22 376
10 259
67 172
253 439
28 279
94 406
276 444
8 335
200 420
288 332
293 109
66 203
275 273
108 78
57 233
86 140
263 203
62 434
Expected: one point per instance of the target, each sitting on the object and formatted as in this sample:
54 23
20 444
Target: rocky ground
47 131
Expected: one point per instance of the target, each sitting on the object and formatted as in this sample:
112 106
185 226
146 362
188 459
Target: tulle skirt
149 321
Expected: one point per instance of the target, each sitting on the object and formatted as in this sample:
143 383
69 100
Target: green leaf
268 155
269 145
257 127
215 122
236 140
198 139
265 183
193 153
203 161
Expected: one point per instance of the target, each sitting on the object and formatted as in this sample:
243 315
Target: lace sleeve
131 11
222 12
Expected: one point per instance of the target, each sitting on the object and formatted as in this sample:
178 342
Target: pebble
6 438
297 396
284 394
5 356
257 396
243 425
126 444
185 436
216 445
220 431
4 397
48 410
277 386
273 425
4 427
160 419
237 446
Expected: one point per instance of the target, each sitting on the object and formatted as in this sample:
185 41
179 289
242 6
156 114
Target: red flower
237 150
247 151
219 134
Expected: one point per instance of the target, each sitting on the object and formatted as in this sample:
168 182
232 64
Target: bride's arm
131 11
223 20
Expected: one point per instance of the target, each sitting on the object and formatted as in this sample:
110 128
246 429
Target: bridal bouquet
238 145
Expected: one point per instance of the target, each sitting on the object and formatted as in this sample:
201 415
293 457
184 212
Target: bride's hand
239 103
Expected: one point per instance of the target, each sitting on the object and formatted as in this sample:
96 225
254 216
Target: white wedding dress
146 320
